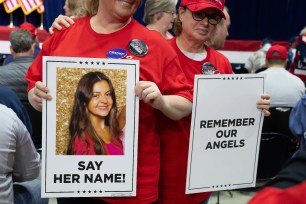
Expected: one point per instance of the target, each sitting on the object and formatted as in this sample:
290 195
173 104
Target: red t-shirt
175 136
160 65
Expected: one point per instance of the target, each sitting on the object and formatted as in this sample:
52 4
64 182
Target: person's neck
97 121
22 54
162 29
101 129
106 25
189 45
281 66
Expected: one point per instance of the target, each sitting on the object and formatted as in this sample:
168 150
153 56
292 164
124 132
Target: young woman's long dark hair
79 121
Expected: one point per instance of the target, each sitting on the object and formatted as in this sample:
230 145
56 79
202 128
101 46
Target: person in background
297 121
195 24
101 135
298 66
284 88
217 40
19 162
159 15
257 61
73 9
162 89
11 100
33 30
292 50
12 74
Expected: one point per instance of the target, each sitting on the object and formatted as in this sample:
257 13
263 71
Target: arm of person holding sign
173 106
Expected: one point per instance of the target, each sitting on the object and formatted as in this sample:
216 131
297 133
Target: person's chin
126 4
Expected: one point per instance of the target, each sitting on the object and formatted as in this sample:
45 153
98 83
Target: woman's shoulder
218 55
82 20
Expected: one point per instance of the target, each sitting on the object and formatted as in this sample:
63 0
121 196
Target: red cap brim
201 6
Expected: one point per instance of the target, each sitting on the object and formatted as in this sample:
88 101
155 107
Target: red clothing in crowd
159 65
298 66
175 136
272 195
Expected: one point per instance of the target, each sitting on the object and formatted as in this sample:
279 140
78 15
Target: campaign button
208 68
117 53
138 47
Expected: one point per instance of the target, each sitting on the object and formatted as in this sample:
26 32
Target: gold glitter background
67 81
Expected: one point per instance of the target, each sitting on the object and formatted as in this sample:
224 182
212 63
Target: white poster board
87 175
225 132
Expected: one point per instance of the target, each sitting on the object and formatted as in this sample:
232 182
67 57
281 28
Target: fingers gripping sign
264 104
149 93
38 94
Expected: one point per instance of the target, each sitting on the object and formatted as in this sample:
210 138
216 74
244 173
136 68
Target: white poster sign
81 154
225 132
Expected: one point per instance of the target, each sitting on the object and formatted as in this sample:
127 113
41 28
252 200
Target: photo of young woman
93 127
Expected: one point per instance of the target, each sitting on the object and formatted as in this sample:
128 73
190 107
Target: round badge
138 47
117 53
208 68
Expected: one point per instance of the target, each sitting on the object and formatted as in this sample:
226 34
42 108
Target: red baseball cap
277 52
29 27
198 5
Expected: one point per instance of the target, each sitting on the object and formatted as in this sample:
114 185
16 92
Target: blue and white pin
116 53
